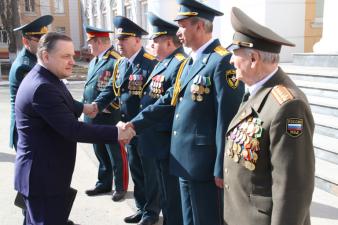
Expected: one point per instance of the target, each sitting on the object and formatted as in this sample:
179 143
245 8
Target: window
29 5
61 30
127 11
144 11
59 7
3 36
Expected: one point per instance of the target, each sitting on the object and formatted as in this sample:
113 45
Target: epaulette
148 56
221 50
113 53
281 94
179 57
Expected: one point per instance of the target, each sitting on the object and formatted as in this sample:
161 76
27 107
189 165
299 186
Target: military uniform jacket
129 82
155 141
23 63
98 77
269 158
197 143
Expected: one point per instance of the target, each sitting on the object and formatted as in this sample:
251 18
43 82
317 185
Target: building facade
300 21
67 19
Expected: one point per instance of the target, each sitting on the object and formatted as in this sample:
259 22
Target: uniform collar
197 54
131 59
255 87
102 53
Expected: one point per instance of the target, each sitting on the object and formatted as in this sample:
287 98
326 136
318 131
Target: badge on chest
244 142
200 87
135 84
156 86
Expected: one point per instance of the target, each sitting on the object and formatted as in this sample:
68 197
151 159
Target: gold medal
206 90
193 97
249 165
199 98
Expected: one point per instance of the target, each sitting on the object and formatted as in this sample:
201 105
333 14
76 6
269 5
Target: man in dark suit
269 156
48 129
24 62
127 82
155 141
112 157
204 100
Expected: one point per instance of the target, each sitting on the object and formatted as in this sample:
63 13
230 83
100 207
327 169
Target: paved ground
102 210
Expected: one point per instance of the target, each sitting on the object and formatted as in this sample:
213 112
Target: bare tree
10 19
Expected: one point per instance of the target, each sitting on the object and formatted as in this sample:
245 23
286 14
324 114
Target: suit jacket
23 63
155 141
129 101
48 129
269 157
98 77
197 141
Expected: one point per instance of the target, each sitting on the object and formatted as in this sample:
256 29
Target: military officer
24 62
127 82
269 156
203 101
155 141
112 158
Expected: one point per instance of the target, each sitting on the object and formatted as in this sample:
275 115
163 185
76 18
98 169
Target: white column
329 41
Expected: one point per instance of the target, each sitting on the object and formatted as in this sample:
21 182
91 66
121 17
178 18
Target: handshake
90 110
126 132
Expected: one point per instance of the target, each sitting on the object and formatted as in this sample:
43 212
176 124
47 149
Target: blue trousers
202 202
143 173
47 210
113 165
170 194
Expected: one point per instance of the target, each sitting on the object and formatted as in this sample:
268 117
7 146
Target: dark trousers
143 173
170 194
47 210
113 165
201 202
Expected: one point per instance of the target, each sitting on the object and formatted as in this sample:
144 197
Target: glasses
33 39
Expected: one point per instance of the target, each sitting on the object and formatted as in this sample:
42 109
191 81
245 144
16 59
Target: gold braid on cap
188 13
43 30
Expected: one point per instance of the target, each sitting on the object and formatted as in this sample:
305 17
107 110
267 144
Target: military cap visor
93 32
127 28
36 27
161 26
191 8
250 34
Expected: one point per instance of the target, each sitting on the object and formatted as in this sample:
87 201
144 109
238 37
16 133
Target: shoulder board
221 50
115 54
179 57
148 56
281 94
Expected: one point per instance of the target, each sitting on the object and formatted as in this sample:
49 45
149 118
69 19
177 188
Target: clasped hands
90 110
126 132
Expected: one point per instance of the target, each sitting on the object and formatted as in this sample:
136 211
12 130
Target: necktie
246 96
96 60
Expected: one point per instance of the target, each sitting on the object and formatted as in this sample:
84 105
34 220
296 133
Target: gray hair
208 25
267 57
48 41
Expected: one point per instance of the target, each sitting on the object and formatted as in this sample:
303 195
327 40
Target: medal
199 98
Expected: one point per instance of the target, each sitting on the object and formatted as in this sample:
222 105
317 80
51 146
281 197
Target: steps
320 84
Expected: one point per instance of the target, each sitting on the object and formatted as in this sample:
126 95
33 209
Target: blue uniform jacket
97 79
142 66
155 141
23 63
198 132
48 129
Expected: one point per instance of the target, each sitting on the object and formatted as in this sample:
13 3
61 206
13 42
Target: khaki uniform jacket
269 158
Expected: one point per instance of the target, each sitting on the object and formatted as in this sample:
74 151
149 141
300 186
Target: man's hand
90 110
219 182
125 132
